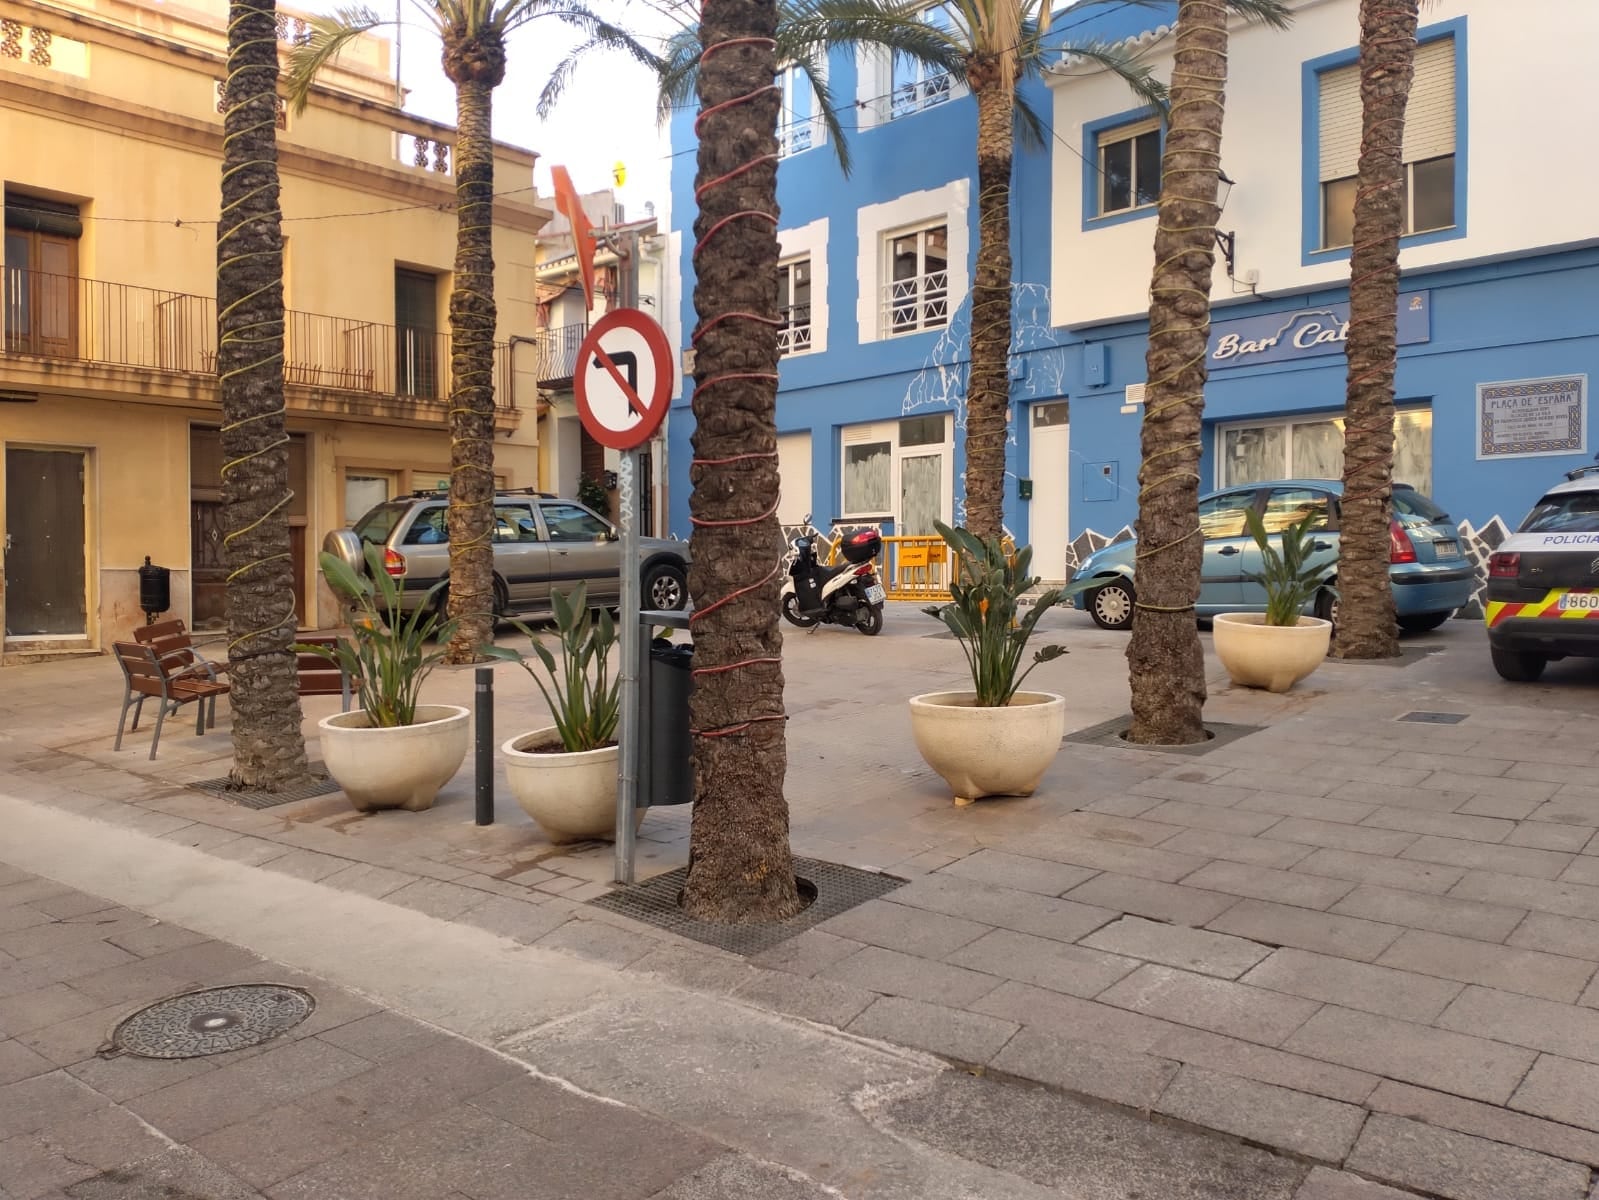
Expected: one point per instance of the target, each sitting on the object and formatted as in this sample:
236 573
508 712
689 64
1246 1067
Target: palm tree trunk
740 868
1367 626
268 748
988 392
1166 663
472 67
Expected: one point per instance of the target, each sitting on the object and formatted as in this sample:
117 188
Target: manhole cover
1423 717
213 1021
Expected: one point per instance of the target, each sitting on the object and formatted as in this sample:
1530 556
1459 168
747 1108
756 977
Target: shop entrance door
1050 468
45 593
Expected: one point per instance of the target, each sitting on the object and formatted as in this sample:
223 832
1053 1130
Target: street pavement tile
1459 1166
1218 1005
1306 929
27 916
737 1177
127 1075
268 1147
808 953
1530 972
830 1002
622 1151
1325 1184
524 921
406 1089
141 981
1430 762
1511 860
1178 946
28 1011
1018 871
1106 1072
1478 829
156 939
1512 808
1380 870
367 879
31 888
1486 1120
1152 898
1332 835
1266 883
32 1104
308 864
599 941
18 1061
177 1173
1323 810
1550 835
436 898
910 930
899 974
60 935
1085 851
1256 851
1558 935
1282 782
1234 1057
76 1038
1071 1016
74 904
1437 1058
1563 1029
1578 773
1441 914
1531 792
1043 961
1518 891
968 1037
1025 912
1417 797
383 1036
78 958
1562 1090
1568 810
1208 816
32 1167
1584 870
1127 831
1190 790
1376 989
1274 1116
232 1093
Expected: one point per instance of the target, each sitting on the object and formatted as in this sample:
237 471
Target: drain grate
836 889
318 785
1423 717
213 1021
1109 733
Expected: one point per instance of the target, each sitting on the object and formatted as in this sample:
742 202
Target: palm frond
1272 13
680 69
328 38
816 75
1131 72
1032 131
809 28
601 35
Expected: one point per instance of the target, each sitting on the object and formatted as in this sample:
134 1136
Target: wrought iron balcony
92 321
557 352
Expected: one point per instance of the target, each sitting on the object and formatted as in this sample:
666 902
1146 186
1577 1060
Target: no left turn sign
623 380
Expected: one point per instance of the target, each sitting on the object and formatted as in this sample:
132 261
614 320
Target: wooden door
46 577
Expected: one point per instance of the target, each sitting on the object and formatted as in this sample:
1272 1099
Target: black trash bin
670 771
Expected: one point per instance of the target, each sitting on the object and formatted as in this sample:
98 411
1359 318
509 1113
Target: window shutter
1430 114
1340 123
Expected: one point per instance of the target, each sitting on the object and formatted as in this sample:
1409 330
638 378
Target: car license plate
874 594
1446 549
1579 601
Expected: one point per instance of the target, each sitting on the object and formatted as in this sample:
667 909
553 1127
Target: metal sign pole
627 732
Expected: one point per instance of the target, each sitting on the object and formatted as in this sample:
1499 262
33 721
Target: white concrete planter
571 796
399 767
988 751
1274 657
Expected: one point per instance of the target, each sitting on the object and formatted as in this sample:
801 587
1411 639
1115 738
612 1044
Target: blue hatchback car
1431 577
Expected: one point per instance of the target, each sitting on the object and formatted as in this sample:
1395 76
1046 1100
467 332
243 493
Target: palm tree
268 747
1165 661
989 46
474 35
1367 626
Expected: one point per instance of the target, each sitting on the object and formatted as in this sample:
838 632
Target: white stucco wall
1527 70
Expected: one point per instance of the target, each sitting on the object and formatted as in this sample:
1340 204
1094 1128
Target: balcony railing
557 352
92 321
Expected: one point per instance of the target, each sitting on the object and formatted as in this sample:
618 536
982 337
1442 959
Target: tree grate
835 889
318 785
1113 731
1423 717
212 1021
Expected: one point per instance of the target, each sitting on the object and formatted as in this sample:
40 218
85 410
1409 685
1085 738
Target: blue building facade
1499 321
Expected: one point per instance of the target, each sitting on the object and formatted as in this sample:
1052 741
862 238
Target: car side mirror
611 535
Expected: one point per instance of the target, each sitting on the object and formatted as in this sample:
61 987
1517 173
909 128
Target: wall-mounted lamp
1227 242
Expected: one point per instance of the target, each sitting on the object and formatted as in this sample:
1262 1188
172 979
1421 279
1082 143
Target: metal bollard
485 745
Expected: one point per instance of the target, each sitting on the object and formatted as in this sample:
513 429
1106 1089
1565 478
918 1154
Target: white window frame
794 336
880 432
809 241
1112 137
1337 416
949 206
877 99
930 297
796 134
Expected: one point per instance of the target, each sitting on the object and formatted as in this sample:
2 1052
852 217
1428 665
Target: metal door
45 593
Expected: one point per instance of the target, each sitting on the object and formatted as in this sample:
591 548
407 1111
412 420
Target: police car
1542 601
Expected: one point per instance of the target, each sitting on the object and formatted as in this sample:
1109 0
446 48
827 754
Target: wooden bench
148 675
175 647
318 676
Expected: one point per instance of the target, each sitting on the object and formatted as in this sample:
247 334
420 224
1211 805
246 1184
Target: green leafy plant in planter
591 493
1290 578
583 695
386 655
982 613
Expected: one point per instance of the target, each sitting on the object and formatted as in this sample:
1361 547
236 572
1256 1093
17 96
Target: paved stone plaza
1350 948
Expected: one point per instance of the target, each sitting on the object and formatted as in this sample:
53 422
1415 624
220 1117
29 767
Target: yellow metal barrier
916 567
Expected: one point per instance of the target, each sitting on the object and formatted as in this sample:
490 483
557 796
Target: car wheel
666 588
1111 606
1422 622
502 601
1327 607
1518 666
792 614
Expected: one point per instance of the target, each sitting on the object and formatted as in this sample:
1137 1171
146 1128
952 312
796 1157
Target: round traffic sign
623 380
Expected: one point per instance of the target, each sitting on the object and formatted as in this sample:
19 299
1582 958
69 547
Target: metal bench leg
160 719
199 716
122 717
138 711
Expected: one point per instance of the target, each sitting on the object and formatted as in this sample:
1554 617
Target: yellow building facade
110 153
